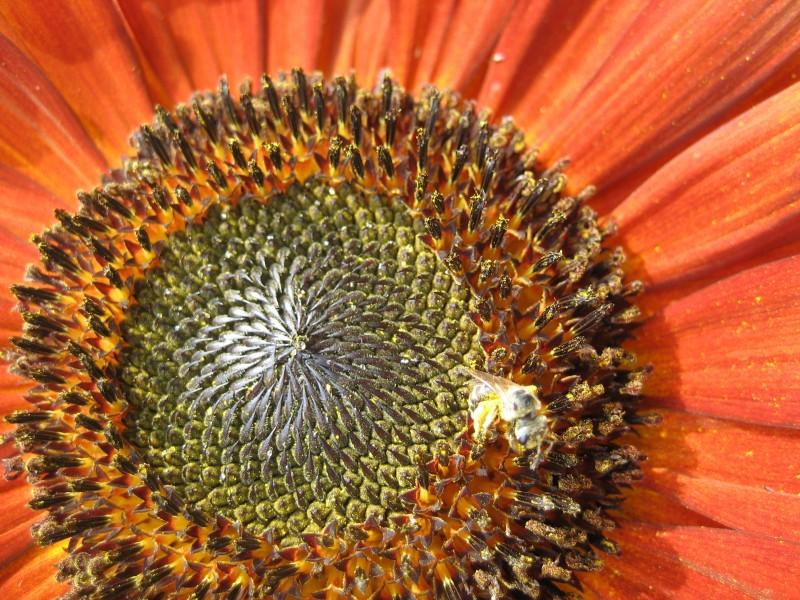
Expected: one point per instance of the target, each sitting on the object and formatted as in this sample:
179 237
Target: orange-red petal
43 146
32 574
83 49
719 449
731 196
697 562
296 32
167 76
677 71
730 349
211 39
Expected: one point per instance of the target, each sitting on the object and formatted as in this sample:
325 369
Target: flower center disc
293 362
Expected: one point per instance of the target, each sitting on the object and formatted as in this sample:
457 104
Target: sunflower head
314 340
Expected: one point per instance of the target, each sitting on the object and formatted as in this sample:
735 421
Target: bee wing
498 384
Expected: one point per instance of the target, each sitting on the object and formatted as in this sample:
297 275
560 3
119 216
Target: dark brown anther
482 145
301 87
185 148
274 153
488 173
157 144
334 151
43 322
319 105
31 346
183 196
92 307
255 172
434 227
433 113
550 226
547 261
26 293
113 436
100 251
292 116
112 204
477 204
422 148
355 124
497 232
227 101
272 96
161 197
250 113
385 160
85 359
44 376
88 422
342 97
391 127
53 255
484 308
166 120
353 154
505 286
568 347
98 326
208 122
217 175
113 276
420 184
108 390
462 155
238 157
464 124
74 397
143 238
437 201
89 224
386 96
50 500
67 223
487 270
20 417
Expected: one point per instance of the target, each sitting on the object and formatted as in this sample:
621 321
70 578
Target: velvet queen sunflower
400 299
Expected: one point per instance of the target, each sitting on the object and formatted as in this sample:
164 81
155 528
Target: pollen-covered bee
494 398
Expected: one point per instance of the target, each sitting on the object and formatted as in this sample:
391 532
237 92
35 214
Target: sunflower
328 324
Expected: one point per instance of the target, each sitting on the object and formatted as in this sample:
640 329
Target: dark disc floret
318 341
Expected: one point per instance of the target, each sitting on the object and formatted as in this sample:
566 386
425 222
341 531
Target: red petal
12 389
407 30
42 145
730 350
84 50
743 507
528 58
296 31
26 206
679 70
698 562
361 40
649 506
729 197
752 455
211 39
432 27
32 575
166 74
472 32
15 519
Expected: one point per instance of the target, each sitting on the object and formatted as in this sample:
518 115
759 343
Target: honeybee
494 398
